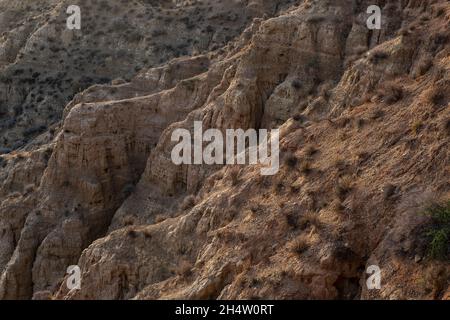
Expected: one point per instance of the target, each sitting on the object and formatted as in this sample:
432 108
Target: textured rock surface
43 64
100 190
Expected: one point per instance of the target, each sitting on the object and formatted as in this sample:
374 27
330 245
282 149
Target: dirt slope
365 127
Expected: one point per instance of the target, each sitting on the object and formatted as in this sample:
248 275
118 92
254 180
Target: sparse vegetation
298 117
363 137
389 191
317 18
416 126
439 233
299 246
424 64
311 150
377 56
29 188
128 190
132 234
378 114
309 219
290 160
305 168
392 93
343 187
296 84
437 96
184 269
446 126
147 234
234 173
188 203
292 220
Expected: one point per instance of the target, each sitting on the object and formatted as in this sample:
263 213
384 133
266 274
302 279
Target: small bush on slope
439 234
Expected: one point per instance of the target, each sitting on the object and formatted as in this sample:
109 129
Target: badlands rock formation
44 64
365 127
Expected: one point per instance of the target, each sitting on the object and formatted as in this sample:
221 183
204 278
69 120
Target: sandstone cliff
365 127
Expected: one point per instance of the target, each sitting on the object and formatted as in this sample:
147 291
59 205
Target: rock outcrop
364 121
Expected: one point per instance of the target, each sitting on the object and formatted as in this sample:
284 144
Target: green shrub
438 245
439 233
440 212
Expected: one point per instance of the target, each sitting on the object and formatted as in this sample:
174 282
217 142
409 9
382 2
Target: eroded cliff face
364 122
44 64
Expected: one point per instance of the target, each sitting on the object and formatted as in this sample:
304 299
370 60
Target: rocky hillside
44 64
86 176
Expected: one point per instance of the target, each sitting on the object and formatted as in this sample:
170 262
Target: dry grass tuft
310 219
391 93
437 96
188 203
305 168
290 160
343 187
184 269
234 173
299 246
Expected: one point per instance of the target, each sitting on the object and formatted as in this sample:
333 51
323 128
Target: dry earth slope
365 128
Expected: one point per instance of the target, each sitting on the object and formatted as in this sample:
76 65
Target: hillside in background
44 64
